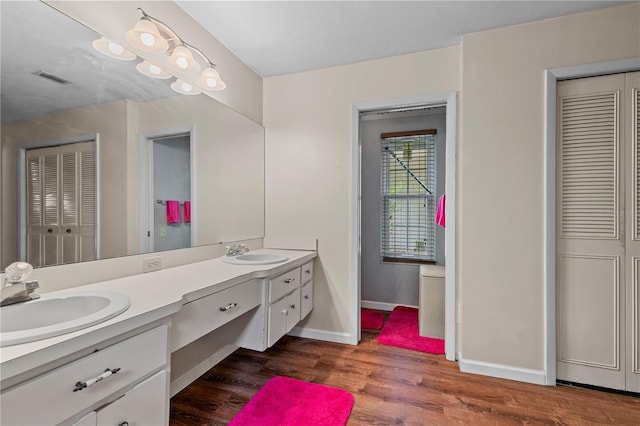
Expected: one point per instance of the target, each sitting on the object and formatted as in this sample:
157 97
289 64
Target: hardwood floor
394 386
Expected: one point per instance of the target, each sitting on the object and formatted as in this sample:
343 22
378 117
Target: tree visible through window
408 181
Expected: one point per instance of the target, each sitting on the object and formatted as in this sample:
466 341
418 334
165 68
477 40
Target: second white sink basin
58 313
254 259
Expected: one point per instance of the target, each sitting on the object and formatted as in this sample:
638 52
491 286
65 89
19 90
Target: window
408 181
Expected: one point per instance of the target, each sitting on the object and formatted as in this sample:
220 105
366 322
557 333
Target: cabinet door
277 321
293 309
306 299
145 404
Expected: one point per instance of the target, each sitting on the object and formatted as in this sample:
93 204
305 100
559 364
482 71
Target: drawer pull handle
50 230
289 280
306 296
228 307
308 271
107 373
293 306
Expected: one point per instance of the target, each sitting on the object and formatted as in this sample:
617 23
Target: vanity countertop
154 296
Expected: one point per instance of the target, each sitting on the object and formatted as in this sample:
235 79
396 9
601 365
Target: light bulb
181 60
211 82
114 48
185 88
152 70
146 36
147 39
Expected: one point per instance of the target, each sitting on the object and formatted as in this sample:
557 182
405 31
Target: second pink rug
292 402
401 330
371 320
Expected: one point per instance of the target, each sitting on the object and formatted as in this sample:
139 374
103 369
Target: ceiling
284 37
271 37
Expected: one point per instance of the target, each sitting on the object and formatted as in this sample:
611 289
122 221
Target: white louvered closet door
61 204
596 174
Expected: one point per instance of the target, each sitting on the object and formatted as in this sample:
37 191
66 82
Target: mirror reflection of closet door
61 204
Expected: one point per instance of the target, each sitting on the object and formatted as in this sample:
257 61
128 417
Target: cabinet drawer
283 284
307 272
306 299
145 404
50 399
204 315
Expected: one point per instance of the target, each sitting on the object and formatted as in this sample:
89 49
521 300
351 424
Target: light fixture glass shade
210 80
112 50
146 36
181 60
153 71
185 88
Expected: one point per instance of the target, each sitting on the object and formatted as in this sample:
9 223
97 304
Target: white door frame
145 164
450 99
552 76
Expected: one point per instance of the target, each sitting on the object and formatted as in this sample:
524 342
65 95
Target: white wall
502 173
308 158
391 282
500 167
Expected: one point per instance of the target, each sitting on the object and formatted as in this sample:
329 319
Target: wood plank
394 386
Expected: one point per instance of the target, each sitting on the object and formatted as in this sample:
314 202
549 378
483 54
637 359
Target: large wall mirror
99 161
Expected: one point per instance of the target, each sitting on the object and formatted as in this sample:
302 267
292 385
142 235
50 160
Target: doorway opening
166 215
444 104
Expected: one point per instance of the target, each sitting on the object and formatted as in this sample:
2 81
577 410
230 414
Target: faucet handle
31 286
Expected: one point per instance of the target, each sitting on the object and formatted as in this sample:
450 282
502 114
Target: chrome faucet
14 288
236 250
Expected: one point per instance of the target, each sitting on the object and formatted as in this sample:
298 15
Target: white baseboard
190 376
381 306
503 371
327 336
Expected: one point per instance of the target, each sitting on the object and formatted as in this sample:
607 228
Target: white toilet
431 309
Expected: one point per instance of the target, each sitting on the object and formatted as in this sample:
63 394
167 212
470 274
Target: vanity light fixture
173 57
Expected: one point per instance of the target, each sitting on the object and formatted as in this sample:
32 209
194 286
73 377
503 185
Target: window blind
408 180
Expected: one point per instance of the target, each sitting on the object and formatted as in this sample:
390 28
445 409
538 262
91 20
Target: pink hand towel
187 212
440 210
173 211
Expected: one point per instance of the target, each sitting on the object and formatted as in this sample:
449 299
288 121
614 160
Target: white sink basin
58 313
254 259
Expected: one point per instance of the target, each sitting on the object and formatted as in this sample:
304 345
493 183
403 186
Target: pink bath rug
284 401
371 320
401 330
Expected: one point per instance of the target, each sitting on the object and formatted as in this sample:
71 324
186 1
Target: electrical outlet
150 264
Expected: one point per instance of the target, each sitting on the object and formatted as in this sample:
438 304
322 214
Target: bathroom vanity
113 372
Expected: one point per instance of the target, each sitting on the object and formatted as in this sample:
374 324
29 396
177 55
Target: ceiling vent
51 77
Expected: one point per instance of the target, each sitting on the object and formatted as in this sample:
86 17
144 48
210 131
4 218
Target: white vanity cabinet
287 299
80 386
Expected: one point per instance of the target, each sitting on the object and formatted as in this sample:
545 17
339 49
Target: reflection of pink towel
440 210
173 211
187 212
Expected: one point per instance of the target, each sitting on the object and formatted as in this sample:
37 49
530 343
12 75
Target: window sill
408 260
